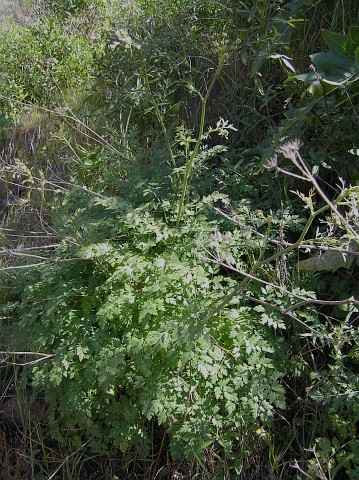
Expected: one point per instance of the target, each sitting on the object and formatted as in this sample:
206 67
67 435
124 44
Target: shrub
39 62
131 324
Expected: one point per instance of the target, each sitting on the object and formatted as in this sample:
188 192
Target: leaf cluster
131 325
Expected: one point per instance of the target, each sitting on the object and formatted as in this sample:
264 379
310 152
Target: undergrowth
179 240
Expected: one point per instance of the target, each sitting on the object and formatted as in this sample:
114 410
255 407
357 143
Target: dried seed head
290 150
272 162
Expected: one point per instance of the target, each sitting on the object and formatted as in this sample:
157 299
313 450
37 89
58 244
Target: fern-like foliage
131 322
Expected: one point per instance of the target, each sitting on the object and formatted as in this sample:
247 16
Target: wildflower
290 150
272 162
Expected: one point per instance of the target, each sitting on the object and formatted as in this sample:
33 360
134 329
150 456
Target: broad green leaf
285 59
257 64
206 443
296 5
299 112
335 68
288 64
328 261
238 464
307 78
338 43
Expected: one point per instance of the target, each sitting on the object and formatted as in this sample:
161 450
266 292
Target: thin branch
280 310
20 267
192 155
296 465
159 117
304 246
27 255
295 245
29 231
291 152
43 356
24 353
67 458
17 250
277 287
48 260
308 301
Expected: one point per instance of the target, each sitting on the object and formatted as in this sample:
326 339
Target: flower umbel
290 150
272 162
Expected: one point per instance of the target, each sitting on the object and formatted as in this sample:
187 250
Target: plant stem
191 157
159 118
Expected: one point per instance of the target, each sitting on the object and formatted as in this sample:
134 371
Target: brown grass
20 12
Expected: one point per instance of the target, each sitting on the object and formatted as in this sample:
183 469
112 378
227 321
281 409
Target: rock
21 409
330 260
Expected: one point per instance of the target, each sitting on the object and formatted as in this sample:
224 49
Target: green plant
189 298
333 385
129 326
326 108
40 62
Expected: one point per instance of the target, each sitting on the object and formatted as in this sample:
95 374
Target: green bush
39 63
131 323
160 313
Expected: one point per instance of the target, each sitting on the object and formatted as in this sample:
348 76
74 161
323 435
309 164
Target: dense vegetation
179 239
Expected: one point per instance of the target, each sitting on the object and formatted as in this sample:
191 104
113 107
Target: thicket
193 170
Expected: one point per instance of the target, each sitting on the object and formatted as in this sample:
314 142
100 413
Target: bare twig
303 246
48 260
43 356
19 250
278 287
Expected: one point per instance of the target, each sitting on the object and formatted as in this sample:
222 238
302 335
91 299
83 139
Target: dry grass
19 11
5 10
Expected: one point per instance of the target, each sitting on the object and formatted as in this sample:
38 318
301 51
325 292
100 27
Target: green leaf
307 78
238 466
299 112
354 34
356 54
206 443
338 43
328 261
296 5
335 68
285 59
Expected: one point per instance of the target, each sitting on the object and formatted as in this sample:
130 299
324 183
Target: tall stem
191 157
159 118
